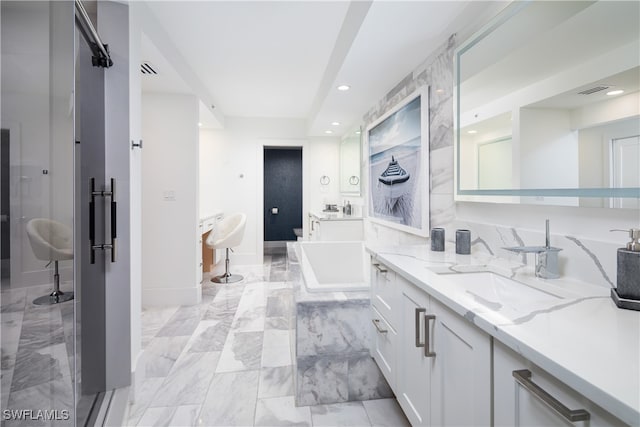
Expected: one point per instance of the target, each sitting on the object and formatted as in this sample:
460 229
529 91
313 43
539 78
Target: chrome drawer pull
427 344
380 269
376 323
418 311
523 377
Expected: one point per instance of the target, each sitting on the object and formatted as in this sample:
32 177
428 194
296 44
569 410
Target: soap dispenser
627 293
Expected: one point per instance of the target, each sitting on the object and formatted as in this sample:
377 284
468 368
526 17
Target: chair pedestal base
54 298
57 296
231 278
227 277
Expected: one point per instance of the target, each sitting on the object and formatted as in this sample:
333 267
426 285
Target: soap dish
629 304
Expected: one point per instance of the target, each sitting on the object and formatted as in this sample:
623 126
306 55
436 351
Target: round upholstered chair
51 241
227 234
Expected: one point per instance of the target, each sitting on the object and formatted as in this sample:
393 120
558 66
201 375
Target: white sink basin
500 293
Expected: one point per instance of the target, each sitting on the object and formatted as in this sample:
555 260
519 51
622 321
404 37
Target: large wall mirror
548 106
350 147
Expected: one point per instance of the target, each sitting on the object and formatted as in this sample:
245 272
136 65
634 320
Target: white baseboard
158 297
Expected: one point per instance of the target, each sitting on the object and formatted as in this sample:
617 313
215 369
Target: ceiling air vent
147 68
593 90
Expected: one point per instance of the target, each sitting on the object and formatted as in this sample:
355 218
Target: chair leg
227 277
57 296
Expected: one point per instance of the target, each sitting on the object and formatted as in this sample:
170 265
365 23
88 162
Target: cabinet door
515 404
461 377
414 366
384 292
385 346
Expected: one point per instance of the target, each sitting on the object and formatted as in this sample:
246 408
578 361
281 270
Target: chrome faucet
546 257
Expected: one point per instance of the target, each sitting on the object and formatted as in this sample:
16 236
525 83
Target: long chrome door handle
92 219
114 220
417 314
427 340
376 323
523 377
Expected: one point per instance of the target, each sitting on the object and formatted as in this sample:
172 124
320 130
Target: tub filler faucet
546 257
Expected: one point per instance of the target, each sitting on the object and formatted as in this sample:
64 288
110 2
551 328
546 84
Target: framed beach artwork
399 165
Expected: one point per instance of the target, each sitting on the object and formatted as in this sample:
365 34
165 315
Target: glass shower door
37 120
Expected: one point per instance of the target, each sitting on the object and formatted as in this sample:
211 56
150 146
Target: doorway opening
625 158
282 206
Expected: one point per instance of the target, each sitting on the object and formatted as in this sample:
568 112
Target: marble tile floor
36 352
227 361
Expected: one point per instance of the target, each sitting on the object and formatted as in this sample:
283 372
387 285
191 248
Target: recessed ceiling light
200 124
472 131
615 92
358 132
328 131
344 87
335 123
439 90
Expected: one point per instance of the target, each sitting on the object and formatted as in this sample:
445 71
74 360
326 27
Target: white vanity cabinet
437 363
415 365
461 379
526 395
384 309
384 348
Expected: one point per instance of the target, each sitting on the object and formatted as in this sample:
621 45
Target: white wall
233 181
548 151
324 154
170 210
135 178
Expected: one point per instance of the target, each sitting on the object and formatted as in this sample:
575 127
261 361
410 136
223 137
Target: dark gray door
103 304
282 192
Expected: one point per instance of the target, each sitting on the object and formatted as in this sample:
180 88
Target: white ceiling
284 59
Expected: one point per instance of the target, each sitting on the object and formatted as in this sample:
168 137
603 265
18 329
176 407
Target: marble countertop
574 331
334 216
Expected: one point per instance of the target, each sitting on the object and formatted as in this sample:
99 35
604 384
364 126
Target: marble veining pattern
593 256
322 329
332 334
242 351
36 352
583 259
223 374
188 380
555 327
281 411
276 382
209 336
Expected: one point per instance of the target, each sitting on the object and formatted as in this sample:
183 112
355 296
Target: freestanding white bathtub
333 266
